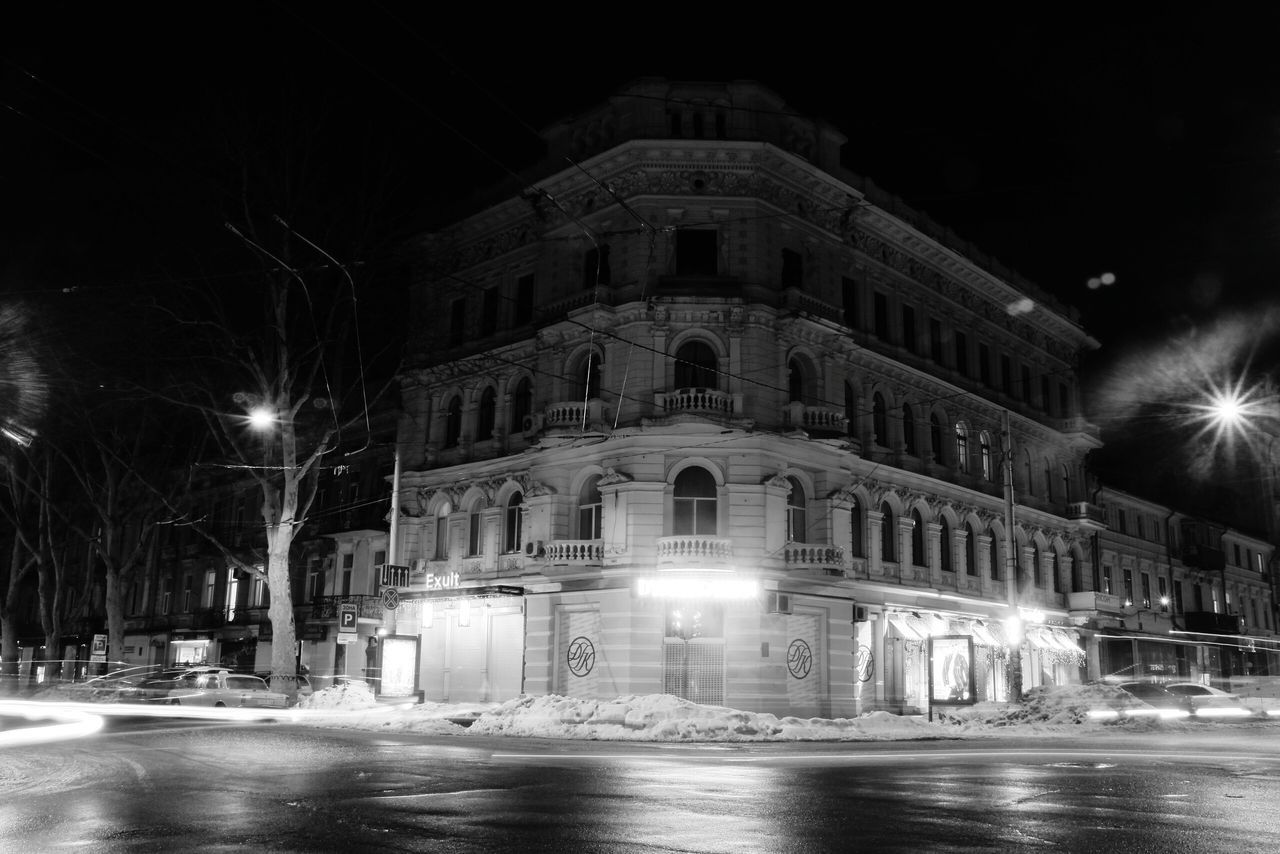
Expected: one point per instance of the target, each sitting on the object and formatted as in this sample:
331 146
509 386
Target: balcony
326 607
575 552
576 415
1203 557
693 550
1211 622
208 618
1095 602
697 401
1083 511
820 558
816 419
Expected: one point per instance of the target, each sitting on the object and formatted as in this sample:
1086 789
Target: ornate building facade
698 411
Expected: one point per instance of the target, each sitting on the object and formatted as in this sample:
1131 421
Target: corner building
697 411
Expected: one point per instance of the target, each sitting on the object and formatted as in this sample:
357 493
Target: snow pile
348 696
1041 708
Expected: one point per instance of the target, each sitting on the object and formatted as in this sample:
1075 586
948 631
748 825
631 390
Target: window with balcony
797 515
453 422
1108 586
586 376
694 508
850 410
315 579
888 533
590 506
962 447
513 524
697 252
984 453
795 381
348 569
696 366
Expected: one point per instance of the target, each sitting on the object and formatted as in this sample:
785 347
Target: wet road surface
184 786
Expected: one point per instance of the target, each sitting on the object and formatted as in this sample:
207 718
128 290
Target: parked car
1154 695
222 688
1209 702
157 687
305 688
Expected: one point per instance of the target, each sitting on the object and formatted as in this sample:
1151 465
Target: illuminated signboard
951 670
697 587
447 581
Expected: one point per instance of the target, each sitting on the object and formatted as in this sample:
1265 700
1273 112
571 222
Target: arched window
945 545
909 430
970 550
442 530
1048 480
1030 484
513 527
694 504
797 520
696 365
586 378
1056 570
879 420
485 414
888 529
935 438
857 527
1077 575
453 423
1066 483
962 447
919 555
994 555
475 533
850 410
984 450
795 381
1037 576
521 405
589 507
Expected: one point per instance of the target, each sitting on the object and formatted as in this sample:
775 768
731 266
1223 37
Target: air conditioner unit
778 603
535 549
860 613
532 423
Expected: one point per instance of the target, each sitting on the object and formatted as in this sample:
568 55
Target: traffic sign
346 617
390 598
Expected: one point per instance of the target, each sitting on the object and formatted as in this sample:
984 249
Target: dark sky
1145 146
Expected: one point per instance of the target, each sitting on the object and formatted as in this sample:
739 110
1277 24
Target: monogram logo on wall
865 663
581 656
799 659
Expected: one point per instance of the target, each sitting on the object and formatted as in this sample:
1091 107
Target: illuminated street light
261 418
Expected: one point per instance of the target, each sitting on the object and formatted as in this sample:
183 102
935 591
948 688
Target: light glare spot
1022 306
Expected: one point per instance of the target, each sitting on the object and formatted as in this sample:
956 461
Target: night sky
1143 146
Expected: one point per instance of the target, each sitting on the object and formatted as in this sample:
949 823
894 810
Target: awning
935 625
1066 640
909 627
982 635
1041 638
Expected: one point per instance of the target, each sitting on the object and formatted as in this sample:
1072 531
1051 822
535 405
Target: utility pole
1011 566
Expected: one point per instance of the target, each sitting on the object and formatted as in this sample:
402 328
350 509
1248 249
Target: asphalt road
181 786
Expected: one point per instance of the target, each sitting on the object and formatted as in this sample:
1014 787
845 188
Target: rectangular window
1107 586
1137 521
1045 398
233 593
849 300
935 340
489 312
1128 587
697 252
1235 547
962 354
475 543
315 580
166 596
1163 586
346 582
1121 522
186 594
882 316
442 537
595 267
524 300
210 587
1025 391
1006 375
984 364
1197 597
1177 597
1064 400
457 321
792 269
909 328
1146 590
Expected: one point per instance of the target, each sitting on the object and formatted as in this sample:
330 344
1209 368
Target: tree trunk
284 657
115 621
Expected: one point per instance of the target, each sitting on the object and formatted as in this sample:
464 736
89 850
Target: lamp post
1014 623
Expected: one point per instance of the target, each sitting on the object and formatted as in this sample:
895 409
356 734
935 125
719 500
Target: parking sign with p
347 617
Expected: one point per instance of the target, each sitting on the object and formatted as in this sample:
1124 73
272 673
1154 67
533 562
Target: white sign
98 652
697 588
348 639
443 582
346 618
